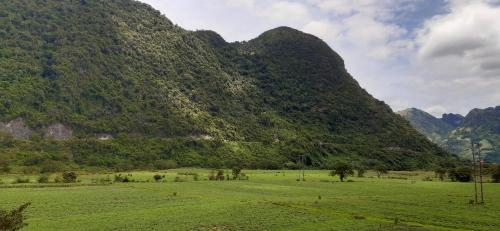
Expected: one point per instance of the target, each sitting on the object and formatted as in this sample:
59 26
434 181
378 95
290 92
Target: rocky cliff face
17 129
58 131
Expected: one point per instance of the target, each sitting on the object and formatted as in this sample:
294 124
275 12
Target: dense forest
160 94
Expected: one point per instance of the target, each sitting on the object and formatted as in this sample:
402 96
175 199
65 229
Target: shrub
158 177
121 179
211 175
236 171
342 169
165 164
495 175
244 176
220 175
196 177
69 177
14 219
43 179
216 175
58 179
462 174
20 180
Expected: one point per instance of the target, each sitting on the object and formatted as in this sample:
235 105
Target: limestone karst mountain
120 68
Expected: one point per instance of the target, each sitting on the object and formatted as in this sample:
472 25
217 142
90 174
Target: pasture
269 200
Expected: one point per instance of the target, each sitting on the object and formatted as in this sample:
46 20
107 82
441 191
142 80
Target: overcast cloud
437 55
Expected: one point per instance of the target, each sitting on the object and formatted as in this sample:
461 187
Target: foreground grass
270 200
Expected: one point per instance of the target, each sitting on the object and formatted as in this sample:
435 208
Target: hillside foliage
119 67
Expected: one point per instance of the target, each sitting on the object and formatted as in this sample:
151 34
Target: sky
442 56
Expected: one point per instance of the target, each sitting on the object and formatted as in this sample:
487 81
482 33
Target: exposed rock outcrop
17 128
59 132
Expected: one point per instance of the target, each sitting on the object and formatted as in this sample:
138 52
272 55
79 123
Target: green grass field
269 200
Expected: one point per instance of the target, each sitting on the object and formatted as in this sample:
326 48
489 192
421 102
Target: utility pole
301 162
474 169
480 170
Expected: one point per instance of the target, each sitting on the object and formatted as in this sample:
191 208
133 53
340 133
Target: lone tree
342 169
380 170
14 219
495 175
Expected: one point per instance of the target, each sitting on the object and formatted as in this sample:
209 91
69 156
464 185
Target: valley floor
269 200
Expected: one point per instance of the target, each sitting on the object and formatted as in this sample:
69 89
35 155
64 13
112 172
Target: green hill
432 127
454 132
116 84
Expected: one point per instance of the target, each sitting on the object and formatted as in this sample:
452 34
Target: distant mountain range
454 132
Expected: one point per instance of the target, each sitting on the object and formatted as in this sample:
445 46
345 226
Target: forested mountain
114 83
454 132
434 128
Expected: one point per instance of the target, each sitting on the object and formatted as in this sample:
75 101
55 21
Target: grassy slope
269 201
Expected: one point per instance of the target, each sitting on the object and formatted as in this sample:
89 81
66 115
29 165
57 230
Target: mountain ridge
120 69
479 125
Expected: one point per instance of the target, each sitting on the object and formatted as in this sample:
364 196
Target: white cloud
285 10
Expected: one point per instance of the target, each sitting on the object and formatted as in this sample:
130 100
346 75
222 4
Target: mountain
432 127
453 120
454 132
115 83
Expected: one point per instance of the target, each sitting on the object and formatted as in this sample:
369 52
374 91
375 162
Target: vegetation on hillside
164 93
454 132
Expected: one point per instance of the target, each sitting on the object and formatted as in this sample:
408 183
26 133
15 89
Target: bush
236 172
216 175
69 177
14 219
20 180
462 174
220 175
58 179
165 164
121 179
495 175
43 179
158 177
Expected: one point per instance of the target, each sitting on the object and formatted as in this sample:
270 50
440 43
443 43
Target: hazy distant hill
119 84
453 132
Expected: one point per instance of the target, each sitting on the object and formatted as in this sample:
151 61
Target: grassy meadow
268 200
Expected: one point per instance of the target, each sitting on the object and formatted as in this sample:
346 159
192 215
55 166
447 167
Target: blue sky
437 55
